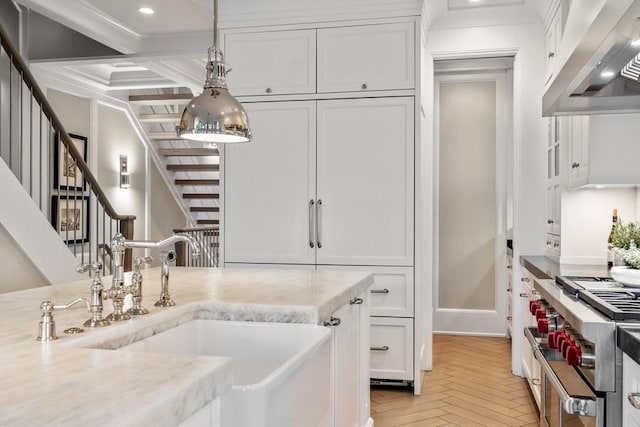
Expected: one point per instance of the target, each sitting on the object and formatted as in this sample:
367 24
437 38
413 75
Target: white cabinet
509 297
579 150
268 186
530 364
557 134
391 348
351 204
350 381
553 37
366 58
604 150
271 62
630 384
365 181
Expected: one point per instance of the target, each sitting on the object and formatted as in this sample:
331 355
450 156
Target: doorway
473 129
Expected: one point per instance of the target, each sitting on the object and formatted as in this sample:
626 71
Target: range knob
534 305
551 339
574 355
541 313
543 326
560 337
565 346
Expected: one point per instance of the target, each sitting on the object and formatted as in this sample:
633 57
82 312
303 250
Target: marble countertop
76 380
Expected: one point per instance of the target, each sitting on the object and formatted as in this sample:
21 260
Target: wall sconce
125 181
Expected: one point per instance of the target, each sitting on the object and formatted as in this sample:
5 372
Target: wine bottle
610 250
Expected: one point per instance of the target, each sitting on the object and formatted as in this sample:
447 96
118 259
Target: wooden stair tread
204 209
197 182
208 221
192 167
161 99
188 151
200 196
159 118
163 136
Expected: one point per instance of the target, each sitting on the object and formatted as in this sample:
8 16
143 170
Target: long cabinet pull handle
311 203
379 291
356 301
383 348
318 229
634 399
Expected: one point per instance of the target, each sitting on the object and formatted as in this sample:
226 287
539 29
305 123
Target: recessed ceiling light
474 1
146 10
607 74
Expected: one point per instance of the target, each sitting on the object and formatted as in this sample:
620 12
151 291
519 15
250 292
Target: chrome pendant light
215 115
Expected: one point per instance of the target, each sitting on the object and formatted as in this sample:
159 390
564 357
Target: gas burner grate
618 305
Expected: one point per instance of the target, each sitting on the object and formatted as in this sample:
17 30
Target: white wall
116 137
586 222
18 271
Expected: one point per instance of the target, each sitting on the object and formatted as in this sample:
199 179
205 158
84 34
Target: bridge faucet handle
138 261
95 268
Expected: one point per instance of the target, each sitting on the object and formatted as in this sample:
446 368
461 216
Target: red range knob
565 346
574 355
533 307
543 326
541 313
551 340
560 337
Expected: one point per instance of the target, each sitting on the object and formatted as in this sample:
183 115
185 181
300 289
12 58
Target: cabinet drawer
366 58
272 62
391 348
392 292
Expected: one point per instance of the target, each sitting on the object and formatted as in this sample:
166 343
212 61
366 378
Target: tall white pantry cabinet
328 181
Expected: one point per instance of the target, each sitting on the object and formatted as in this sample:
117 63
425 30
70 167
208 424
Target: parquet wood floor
471 385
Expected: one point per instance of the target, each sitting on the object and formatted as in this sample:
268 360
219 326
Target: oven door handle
575 405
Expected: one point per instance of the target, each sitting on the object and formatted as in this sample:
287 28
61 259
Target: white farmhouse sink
282 371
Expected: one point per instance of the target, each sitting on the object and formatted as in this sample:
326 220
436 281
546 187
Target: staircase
194 166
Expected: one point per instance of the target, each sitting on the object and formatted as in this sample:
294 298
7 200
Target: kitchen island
74 380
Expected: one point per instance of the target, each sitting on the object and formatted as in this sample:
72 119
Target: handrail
72 210
57 124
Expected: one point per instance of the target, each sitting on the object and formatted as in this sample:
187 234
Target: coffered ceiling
168 47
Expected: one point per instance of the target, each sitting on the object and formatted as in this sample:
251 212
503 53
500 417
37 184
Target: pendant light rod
215 25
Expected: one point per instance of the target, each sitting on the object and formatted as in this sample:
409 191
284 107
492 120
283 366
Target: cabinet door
271 63
365 181
268 185
579 149
346 367
365 58
391 348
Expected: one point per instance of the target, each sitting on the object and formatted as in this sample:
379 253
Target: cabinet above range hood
600 75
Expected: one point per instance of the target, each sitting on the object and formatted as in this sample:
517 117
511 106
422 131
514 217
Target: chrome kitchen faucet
119 244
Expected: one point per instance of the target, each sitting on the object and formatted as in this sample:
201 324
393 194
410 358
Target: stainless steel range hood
590 81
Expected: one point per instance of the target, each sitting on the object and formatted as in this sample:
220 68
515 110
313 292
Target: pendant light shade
215 115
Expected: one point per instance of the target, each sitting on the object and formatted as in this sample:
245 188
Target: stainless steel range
575 343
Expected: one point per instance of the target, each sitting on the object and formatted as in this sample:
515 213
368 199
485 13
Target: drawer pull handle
524 295
634 399
536 381
379 291
383 348
356 301
333 321
365 86
268 90
525 279
509 318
